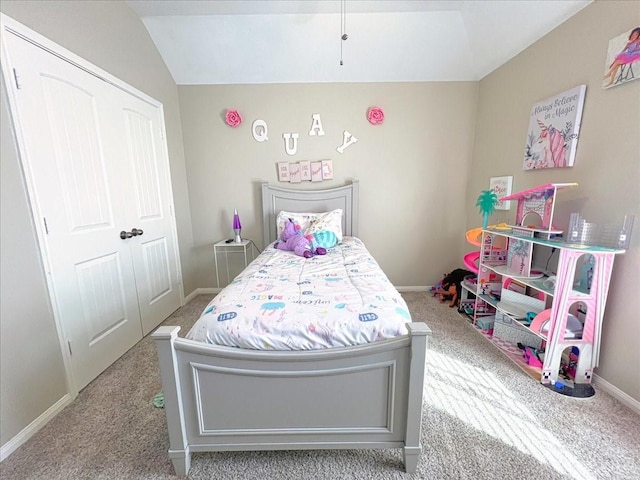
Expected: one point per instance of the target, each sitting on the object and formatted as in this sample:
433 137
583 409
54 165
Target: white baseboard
31 429
417 288
200 291
616 393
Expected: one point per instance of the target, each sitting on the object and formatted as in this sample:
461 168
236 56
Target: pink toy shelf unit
541 314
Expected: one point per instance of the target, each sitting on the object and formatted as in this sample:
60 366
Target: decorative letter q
262 135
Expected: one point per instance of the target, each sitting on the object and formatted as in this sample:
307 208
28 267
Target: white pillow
312 223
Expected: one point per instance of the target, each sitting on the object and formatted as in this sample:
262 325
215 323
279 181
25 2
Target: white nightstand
243 249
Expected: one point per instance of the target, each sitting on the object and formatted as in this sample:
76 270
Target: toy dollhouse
563 349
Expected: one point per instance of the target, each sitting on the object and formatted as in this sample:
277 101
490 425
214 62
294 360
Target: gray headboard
276 199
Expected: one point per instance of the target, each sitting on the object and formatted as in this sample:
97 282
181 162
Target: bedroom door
95 162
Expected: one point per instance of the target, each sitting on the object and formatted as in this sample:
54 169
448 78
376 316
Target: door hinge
69 343
46 227
15 78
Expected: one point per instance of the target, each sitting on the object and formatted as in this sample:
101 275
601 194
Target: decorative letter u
291 147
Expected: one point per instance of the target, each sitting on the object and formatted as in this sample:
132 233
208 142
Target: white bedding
285 302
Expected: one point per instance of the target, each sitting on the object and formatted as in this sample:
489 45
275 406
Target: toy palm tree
487 202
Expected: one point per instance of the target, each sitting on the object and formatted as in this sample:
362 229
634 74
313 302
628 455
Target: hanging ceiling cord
343 26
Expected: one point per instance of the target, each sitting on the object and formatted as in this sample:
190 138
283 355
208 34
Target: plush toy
451 286
293 240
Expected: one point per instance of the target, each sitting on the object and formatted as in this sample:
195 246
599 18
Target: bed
224 398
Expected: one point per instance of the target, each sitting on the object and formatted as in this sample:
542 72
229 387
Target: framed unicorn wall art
554 127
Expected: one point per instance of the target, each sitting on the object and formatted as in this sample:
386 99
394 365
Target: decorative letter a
316 126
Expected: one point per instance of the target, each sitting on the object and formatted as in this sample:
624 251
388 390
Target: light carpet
483 419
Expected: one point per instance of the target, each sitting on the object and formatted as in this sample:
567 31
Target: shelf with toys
549 325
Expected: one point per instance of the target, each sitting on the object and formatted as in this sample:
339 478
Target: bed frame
363 397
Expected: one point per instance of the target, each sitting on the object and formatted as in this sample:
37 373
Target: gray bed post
267 221
412 447
355 207
178 447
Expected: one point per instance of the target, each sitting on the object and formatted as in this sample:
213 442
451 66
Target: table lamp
236 227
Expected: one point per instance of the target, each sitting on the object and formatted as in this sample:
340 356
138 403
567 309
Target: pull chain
343 26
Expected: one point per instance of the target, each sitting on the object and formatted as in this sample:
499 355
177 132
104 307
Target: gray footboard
221 398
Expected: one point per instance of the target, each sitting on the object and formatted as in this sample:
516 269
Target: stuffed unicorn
293 240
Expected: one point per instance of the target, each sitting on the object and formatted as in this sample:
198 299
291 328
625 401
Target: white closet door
153 251
82 139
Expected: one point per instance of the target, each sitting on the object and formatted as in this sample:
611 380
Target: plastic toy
451 285
470 261
474 237
487 202
448 293
293 240
531 357
607 235
437 287
537 205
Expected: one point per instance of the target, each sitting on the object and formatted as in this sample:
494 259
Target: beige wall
25 309
415 169
112 37
412 169
607 165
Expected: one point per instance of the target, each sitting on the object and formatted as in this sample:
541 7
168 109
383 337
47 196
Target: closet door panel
154 252
79 158
72 155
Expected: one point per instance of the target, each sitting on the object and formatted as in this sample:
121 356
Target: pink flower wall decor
233 118
375 115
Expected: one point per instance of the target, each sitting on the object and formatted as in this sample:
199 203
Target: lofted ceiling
298 41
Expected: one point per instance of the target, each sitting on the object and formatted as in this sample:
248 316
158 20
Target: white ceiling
294 41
